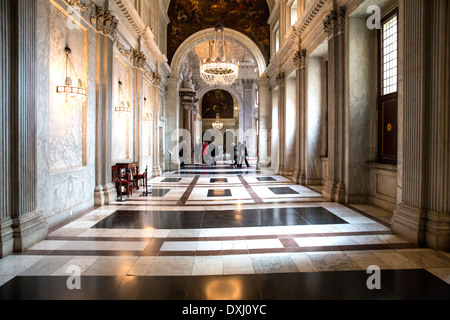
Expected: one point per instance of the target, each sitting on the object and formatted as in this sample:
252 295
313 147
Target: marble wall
147 128
122 122
65 130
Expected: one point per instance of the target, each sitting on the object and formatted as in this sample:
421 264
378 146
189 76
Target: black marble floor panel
265 179
218 180
216 172
134 219
415 284
156 192
283 190
219 193
171 180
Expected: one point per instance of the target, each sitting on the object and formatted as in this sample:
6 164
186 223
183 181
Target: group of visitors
209 152
240 155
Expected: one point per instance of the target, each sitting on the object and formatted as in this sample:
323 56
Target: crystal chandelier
217 70
217 124
76 92
122 108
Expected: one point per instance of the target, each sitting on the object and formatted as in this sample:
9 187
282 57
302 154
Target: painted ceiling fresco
246 16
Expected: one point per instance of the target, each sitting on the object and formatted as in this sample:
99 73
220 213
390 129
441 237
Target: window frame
385 98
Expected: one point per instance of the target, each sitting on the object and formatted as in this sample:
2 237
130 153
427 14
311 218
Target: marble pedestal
28 230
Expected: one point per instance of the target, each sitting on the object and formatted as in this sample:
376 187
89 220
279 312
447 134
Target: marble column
105 191
173 117
188 101
301 137
422 214
334 189
281 83
314 119
265 122
28 223
248 131
359 105
6 231
137 113
157 170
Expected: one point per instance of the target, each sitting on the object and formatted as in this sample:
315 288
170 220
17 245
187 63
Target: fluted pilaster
281 83
301 117
105 192
29 223
265 122
334 24
6 232
423 215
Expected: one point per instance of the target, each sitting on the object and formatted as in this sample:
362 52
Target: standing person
182 146
246 154
204 152
235 154
212 151
240 154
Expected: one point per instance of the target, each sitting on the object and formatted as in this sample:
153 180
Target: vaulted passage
224 150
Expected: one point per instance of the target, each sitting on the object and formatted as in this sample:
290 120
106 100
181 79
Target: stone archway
207 35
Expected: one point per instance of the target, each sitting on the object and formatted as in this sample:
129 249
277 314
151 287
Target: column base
109 193
6 238
28 230
298 177
409 222
157 171
99 197
262 164
333 191
437 234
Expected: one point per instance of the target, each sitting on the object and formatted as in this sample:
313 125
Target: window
294 13
388 97
389 55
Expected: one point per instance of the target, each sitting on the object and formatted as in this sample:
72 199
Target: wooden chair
137 176
126 183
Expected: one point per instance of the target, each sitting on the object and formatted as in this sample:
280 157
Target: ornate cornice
141 30
285 55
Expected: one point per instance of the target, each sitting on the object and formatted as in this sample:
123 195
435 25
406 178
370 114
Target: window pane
389 54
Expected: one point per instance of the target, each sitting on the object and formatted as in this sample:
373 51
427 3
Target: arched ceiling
270 4
188 17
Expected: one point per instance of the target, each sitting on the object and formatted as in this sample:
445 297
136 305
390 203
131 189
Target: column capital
334 22
139 58
280 79
300 59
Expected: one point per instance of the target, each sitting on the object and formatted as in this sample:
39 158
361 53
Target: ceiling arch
188 17
208 34
270 4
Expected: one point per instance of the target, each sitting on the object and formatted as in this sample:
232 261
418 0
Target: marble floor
207 233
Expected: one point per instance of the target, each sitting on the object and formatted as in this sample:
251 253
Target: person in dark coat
246 154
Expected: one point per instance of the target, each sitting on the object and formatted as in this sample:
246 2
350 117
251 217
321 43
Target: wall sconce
148 116
122 108
76 92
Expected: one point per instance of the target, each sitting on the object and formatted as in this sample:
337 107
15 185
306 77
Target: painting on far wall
246 16
217 102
